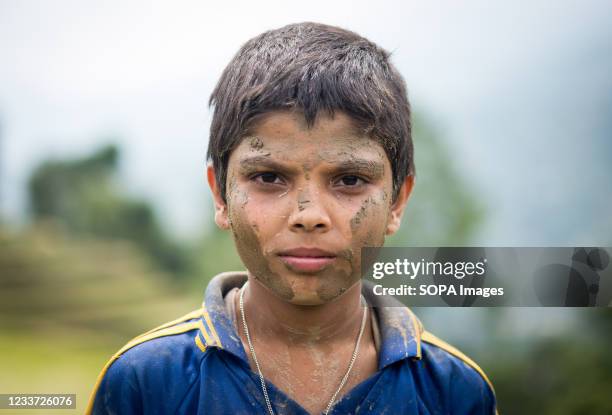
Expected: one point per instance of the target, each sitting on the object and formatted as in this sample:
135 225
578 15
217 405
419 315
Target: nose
310 213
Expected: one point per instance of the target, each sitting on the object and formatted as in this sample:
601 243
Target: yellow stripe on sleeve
189 316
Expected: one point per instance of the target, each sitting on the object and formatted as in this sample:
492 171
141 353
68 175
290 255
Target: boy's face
301 203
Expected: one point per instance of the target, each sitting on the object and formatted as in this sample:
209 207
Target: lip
306 252
307 259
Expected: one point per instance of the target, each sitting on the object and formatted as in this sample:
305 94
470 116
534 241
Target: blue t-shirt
197 365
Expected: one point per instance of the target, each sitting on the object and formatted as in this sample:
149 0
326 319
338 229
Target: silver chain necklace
261 378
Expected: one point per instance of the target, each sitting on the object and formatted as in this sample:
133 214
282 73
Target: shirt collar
217 328
400 329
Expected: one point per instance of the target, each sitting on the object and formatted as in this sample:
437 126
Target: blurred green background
106 223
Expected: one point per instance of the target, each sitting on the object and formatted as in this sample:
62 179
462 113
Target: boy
311 161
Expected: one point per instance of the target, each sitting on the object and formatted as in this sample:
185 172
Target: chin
306 290
316 297
306 298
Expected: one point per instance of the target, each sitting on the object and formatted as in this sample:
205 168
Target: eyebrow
373 168
250 163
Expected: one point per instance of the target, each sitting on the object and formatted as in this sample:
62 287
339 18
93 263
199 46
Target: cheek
244 232
262 216
249 231
368 225
369 220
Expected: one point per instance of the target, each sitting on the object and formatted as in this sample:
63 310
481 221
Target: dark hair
312 67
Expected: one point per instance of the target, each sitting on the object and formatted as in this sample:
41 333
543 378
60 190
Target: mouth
307 260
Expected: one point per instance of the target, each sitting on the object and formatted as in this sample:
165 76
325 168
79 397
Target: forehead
285 135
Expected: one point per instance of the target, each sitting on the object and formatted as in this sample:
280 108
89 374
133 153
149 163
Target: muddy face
291 188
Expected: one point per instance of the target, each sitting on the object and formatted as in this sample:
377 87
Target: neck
282 321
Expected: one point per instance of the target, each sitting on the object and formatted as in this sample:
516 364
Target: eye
350 180
267 178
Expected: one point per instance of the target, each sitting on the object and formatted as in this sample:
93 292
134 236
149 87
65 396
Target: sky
521 93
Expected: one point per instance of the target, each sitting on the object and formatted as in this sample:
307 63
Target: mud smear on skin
367 212
303 200
241 197
283 364
360 215
256 144
251 252
352 147
246 235
339 278
324 372
319 373
231 187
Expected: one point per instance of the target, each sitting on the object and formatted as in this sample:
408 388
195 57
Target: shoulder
147 364
444 354
458 379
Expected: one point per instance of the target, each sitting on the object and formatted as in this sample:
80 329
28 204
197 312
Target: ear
397 209
221 218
